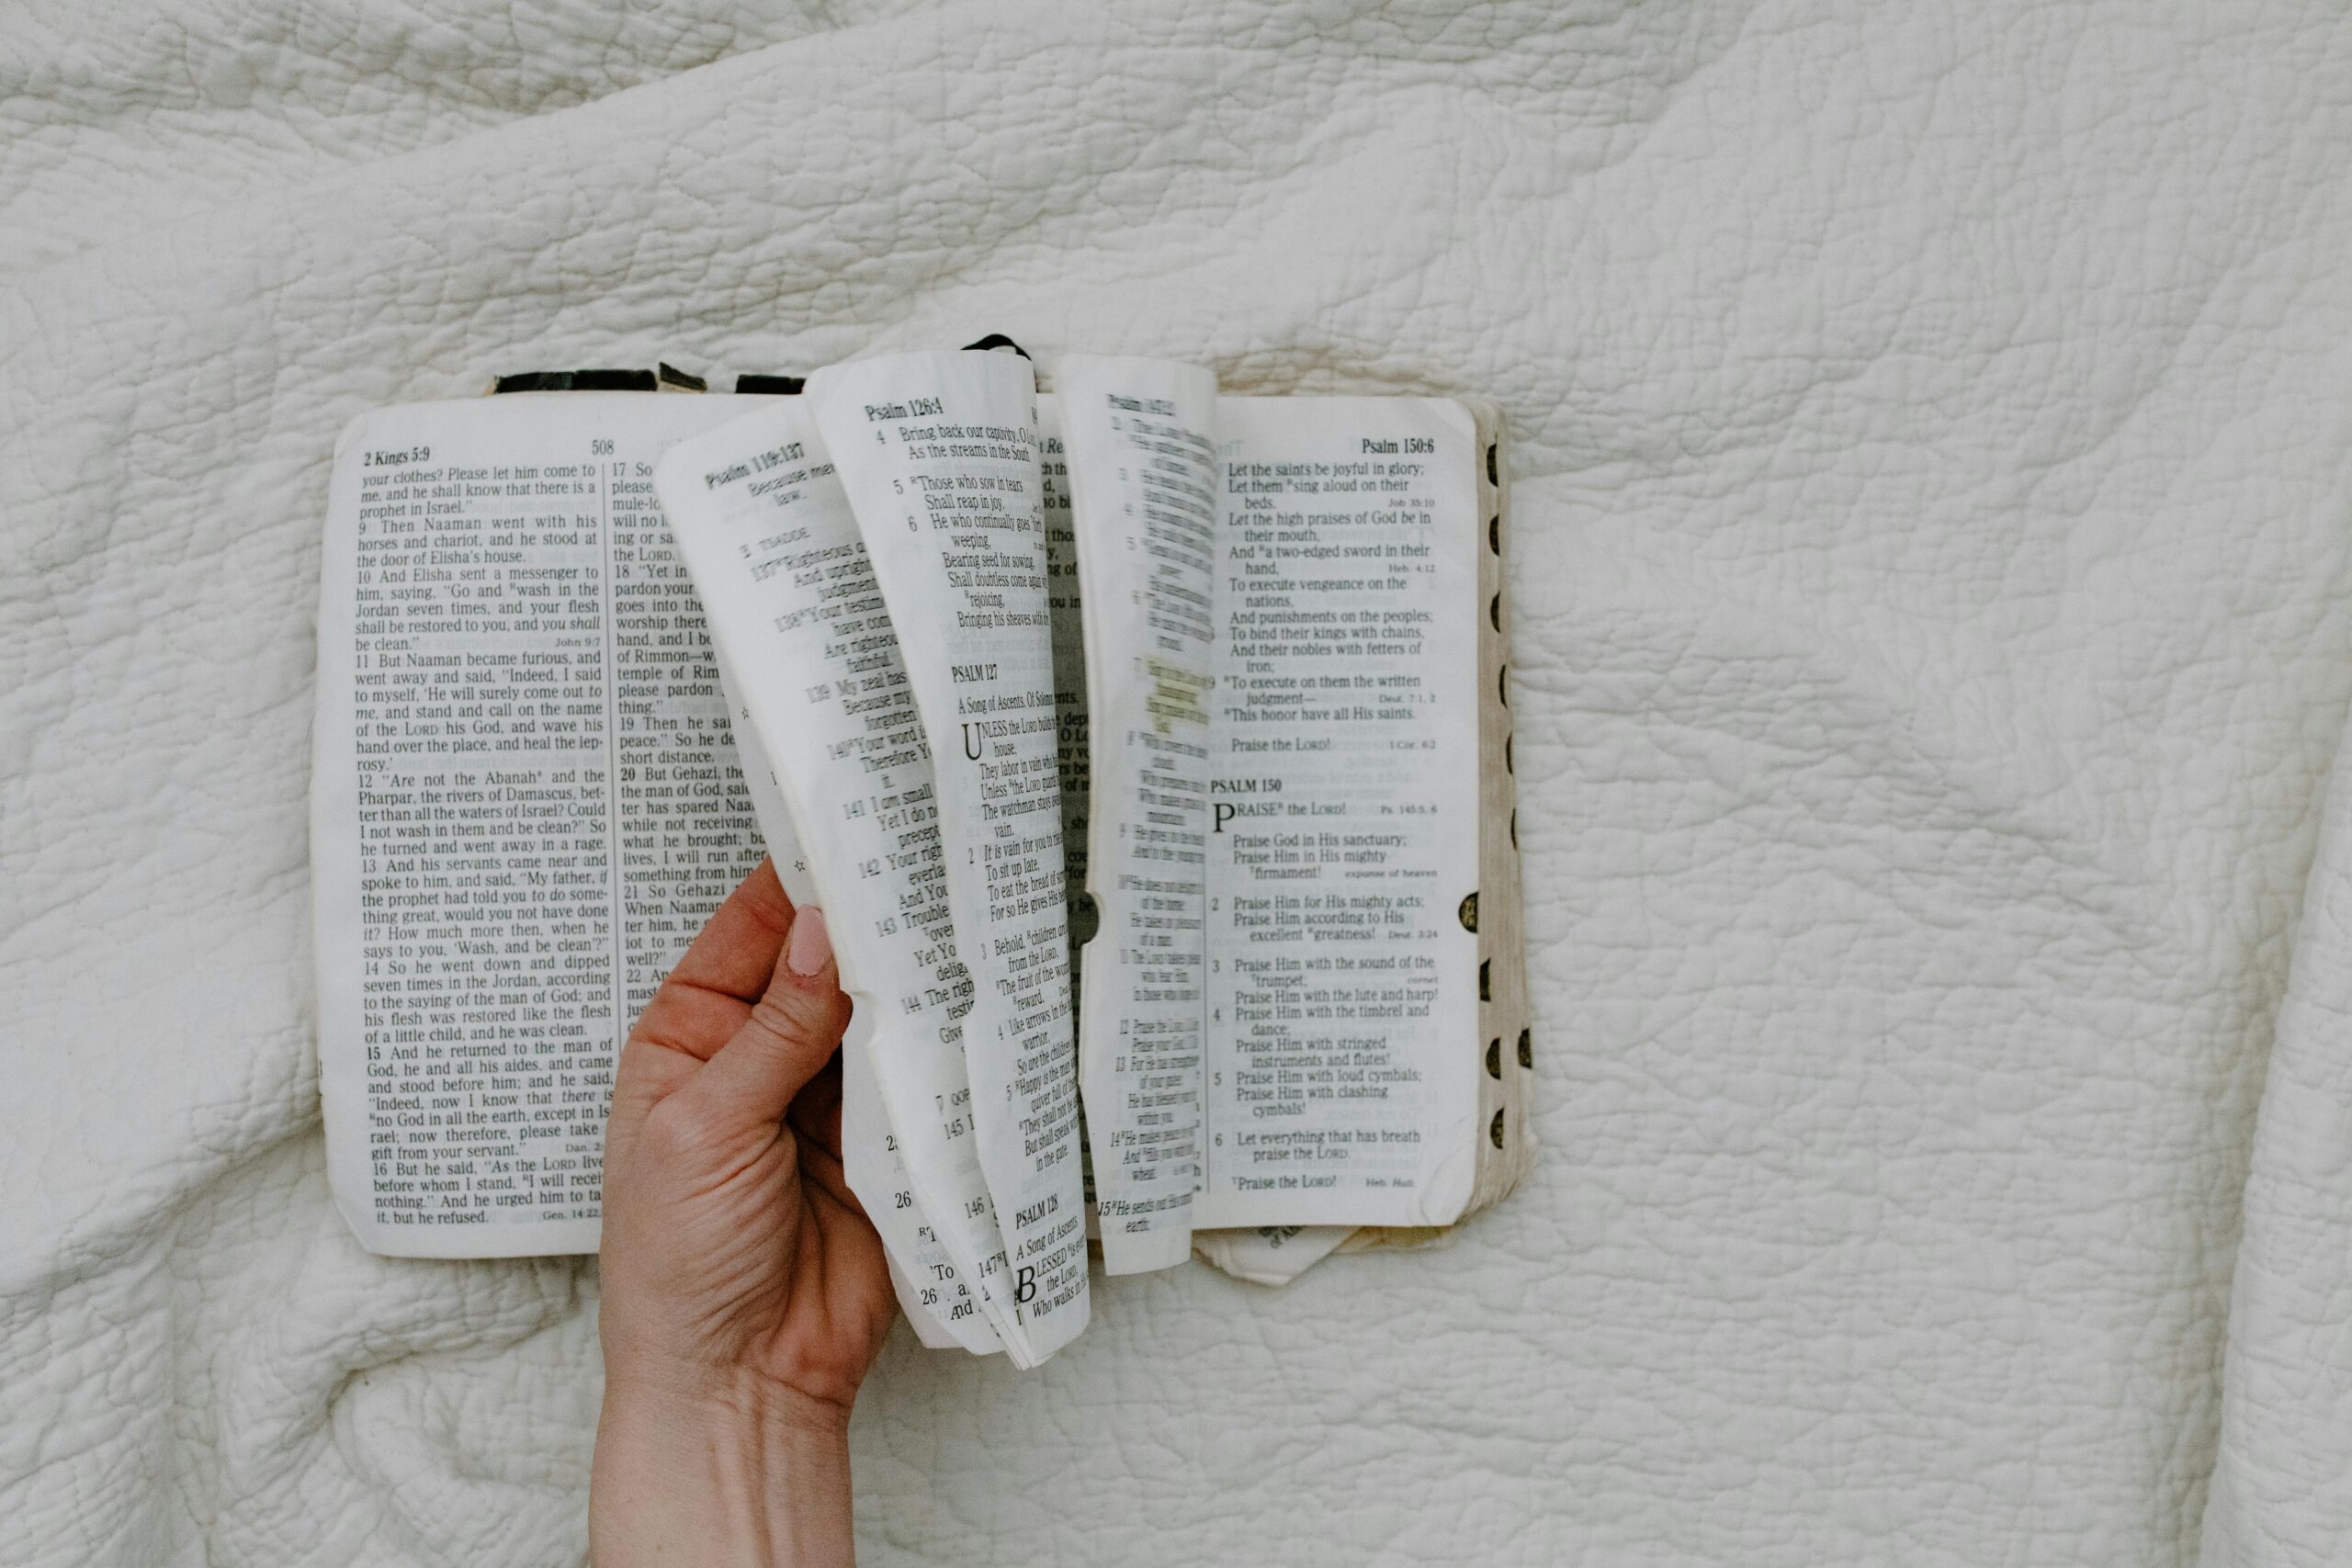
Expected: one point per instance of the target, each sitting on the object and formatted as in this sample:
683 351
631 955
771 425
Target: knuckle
791 1020
637 1059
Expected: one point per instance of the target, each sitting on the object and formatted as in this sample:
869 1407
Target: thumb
793 1032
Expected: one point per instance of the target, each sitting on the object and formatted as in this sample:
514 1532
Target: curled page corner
1269 1255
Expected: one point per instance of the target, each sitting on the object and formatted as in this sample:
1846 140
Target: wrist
736 1400
718 1467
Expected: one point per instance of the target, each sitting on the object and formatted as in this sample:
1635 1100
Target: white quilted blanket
1934 625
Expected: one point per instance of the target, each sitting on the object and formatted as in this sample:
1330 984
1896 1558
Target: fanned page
768 533
939 1310
1063 609
869 1152
939 456
525 802
1344 817
1138 443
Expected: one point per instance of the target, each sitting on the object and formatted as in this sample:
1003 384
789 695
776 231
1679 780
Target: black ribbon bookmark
578 381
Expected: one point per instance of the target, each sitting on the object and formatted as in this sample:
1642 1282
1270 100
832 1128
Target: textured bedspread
1934 632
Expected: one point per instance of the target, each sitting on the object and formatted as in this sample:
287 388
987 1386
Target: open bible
1148 747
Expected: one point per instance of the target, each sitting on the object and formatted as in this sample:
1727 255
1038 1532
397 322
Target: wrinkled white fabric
2282 1493
1931 616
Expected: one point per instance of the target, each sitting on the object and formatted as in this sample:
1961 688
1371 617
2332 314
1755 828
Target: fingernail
809 947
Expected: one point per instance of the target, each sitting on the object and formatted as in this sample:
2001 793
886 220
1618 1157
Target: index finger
735 953
709 991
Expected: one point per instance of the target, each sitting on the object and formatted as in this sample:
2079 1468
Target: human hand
745 1294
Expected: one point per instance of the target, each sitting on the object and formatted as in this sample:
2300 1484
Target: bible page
869 1154
938 1307
769 812
1343 787
939 455
1139 449
525 802
1069 728
770 538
